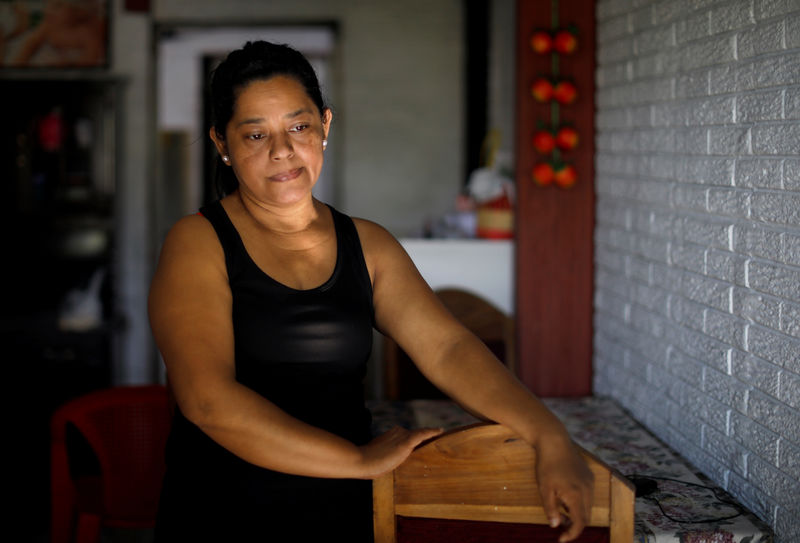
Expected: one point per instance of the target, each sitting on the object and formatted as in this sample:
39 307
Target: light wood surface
485 472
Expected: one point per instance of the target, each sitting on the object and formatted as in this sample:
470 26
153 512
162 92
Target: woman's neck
297 224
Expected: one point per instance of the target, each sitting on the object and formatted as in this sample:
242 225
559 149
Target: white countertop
485 267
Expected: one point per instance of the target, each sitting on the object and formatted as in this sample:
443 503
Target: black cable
721 499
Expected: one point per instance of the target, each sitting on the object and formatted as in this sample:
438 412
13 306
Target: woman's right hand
389 450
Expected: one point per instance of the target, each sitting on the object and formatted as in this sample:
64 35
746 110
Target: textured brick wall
697 300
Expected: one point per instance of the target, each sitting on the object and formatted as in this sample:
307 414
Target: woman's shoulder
193 227
373 235
381 249
192 236
191 261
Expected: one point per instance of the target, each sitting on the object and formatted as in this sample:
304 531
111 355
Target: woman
263 308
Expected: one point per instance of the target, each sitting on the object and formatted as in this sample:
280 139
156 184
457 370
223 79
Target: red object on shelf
496 219
51 131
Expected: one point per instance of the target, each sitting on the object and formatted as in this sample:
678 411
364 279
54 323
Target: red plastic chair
126 428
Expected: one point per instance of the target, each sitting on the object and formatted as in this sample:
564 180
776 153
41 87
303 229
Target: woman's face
274 141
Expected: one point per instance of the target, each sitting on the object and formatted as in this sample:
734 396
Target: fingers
572 513
551 508
424 434
566 484
391 449
574 526
567 506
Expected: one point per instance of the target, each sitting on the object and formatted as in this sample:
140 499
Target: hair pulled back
256 61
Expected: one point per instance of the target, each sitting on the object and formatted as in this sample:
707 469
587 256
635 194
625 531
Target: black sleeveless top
305 351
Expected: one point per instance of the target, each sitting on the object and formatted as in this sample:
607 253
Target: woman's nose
281 148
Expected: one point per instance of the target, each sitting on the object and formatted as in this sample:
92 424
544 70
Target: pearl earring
324 144
225 159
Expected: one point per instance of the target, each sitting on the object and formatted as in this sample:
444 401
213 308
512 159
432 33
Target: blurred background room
648 253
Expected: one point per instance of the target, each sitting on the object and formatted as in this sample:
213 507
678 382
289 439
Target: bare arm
460 365
190 314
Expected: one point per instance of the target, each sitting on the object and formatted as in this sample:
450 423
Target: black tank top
305 351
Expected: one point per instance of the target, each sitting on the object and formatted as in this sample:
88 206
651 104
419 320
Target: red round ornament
544 142
542 90
541 42
565 92
566 138
565 42
565 176
543 174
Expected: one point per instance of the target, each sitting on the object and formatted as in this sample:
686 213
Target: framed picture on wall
53 33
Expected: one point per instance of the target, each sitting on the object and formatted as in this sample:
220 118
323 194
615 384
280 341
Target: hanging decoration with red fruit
555 172
553 139
566 138
565 92
565 41
544 141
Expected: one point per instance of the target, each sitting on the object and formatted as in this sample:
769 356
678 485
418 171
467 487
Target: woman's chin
281 198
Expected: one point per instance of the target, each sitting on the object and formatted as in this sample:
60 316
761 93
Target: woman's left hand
566 484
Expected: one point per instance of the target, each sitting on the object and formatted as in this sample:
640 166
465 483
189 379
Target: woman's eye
255 136
299 128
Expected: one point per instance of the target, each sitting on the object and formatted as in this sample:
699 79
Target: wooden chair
403 381
485 472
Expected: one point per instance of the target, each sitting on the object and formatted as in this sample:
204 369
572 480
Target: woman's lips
287 175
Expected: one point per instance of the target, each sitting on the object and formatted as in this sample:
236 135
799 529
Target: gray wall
698 236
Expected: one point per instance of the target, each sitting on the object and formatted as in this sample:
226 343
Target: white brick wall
697 303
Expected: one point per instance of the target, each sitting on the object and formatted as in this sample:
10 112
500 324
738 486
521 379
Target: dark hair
256 61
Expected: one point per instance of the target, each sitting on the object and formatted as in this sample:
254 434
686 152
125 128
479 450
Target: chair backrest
485 472
496 329
126 428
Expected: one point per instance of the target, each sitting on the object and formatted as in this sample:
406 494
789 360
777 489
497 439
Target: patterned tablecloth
685 507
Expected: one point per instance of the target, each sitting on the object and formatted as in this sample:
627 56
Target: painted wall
697 302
